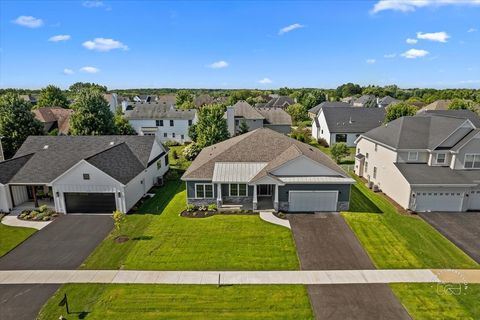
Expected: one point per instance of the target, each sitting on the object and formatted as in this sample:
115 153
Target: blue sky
242 44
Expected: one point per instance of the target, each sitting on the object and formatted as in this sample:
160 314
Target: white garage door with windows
438 201
309 201
474 200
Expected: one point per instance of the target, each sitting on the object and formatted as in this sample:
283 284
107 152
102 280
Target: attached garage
310 201
90 202
474 200
439 200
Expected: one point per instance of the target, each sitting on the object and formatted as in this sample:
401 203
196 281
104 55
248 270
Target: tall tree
16 123
298 112
462 104
348 89
52 96
184 99
79 86
398 110
92 115
122 126
243 127
211 126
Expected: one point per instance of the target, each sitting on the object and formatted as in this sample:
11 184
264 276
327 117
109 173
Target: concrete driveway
63 244
462 228
324 241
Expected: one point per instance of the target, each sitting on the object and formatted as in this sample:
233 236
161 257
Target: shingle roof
317 108
364 99
461 114
275 116
47 163
385 101
415 132
260 145
425 174
8 168
466 139
279 102
353 120
155 110
245 110
437 105
59 115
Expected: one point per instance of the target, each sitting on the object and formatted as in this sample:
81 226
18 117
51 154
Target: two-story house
167 122
424 163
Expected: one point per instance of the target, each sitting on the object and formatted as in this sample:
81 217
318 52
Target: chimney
231 120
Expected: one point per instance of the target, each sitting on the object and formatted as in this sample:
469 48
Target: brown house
54 118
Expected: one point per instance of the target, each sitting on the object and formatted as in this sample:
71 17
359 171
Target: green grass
179 162
432 301
167 241
347 160
10 237
396 241
359 202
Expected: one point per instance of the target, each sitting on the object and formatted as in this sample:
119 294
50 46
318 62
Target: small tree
123 127
243 127
52 96
298 112
92 115
118 219
211 127
191 151
398 110
339 151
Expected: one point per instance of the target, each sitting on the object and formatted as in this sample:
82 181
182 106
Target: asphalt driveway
324 241
63 244
462 228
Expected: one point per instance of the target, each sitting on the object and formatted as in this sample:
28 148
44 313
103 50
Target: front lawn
100 301
164 241
359 202
434 301
10 237
395 241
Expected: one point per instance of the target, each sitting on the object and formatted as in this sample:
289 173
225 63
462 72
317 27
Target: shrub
212 207
43 208
175 154
118 218
203 208
339 151
172 143
191 151
302 134
191 207
323 142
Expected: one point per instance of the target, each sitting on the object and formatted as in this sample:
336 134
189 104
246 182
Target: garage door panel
439 201
90 202
474 200
310 201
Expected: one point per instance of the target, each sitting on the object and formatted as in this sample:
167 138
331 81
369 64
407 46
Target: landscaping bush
191 151
322 142
212 207
191 207
339 151
172 143
302 134
43 213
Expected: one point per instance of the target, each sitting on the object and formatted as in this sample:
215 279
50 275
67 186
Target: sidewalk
239 277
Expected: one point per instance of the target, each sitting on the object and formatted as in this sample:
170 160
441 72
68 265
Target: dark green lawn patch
10 237
359 202
100 301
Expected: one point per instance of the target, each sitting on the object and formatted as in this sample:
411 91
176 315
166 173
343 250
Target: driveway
324 241
63 244
462 228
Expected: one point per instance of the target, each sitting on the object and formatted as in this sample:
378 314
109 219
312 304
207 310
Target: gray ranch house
266 170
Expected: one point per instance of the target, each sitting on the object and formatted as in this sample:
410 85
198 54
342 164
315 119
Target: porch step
230 207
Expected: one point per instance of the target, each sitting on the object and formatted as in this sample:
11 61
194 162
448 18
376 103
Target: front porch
256 197
30 197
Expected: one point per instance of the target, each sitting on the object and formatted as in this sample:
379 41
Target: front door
264 190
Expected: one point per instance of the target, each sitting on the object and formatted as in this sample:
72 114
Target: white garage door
439 201
474 200
309 201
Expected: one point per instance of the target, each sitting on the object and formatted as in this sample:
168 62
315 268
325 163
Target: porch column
275 201
219 195
255 197
34 193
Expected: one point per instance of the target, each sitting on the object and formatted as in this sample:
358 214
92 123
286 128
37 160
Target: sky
240 44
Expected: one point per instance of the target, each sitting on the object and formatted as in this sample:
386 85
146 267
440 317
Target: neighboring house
83 174
206 99
274 118
144 98
54 118
348 100
279 102
386 101
436 105
264 169
364 101
112 100
313 112
164 121
424 163
345 124
462 114
168 100
29 98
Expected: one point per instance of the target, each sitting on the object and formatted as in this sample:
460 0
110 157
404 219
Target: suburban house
54 118
424 163
29 98
164 121
266 170
82 174
281 102
206 99
345 124
462 114
313 112
386 101
274 118
366 100
437 105
144 98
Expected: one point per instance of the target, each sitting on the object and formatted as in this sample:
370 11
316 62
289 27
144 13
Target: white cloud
290 28
93 4
415 53
434 36
390 55
218 65
28 21
411 41
469 81
471 30
60 37
412 5
89 69
67 71
265 81
371 61
104 44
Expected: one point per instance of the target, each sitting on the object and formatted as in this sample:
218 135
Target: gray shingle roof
385 101
275 116
260 145
279 102
364 99
437 105
353 120
461 114
157 111
245 110
425 174
63 152
317 108
8 168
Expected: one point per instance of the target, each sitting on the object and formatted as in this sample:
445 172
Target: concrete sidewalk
239 277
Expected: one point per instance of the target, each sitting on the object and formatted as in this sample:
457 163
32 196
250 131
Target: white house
345 124
164 121
82 174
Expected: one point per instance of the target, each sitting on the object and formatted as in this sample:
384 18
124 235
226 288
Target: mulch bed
206 214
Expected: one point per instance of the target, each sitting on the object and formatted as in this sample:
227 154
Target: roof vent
112 143
45 147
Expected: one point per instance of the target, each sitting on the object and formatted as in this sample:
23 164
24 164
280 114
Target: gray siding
226 194
343 195
284 129
191 189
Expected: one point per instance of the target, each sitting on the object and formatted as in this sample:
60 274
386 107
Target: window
441 158
472 161
238 190
412 156
86 176
358 150
340 138
322 131
171 123
189 122
159 164
182 137
203 190
366 166
166 160
165 135
173 134
366 155
159 123
237 122
374 172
